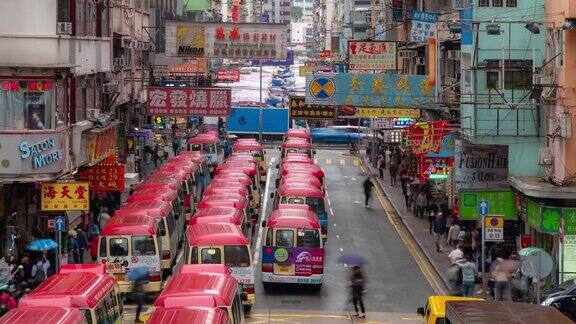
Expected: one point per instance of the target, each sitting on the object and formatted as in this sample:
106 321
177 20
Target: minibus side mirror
271 195
420 311
193 183
244 296
277 166
162 232
279 149
263 223
314 151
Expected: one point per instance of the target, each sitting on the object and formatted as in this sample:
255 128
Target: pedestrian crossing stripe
342 162
328 161
273 159
356 162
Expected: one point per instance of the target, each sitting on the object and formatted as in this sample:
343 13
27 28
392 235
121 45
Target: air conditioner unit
119 61
92 113
140 45
64 28
110 88
420 61
134 44
545 156
543 79
549 93
407 53
453 55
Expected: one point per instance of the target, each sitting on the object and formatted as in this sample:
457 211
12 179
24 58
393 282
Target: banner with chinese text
423 26
435 167
101 143
300 110
370 90
426 137
372 55
191 68
228 75
168 101
64 196
227 40
105 177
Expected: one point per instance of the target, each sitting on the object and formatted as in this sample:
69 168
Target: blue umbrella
352 259
42 245
138 273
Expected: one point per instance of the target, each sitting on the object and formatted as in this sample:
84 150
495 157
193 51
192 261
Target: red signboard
426 137
172 101
228 76
325 54
435 167
105 177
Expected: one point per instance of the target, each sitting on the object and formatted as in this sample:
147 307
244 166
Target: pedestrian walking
453 233
357 290
103 218
393 169
73 237
469 272
501 276
439 230
83 242
431 211
421 203
456 254
381 166
139 296
40 270
367 190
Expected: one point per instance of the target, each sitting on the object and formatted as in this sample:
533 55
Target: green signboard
197 5
569 215
533 213
500 202
550 220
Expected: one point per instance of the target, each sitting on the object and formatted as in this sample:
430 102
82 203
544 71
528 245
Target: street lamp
532 28
455 28
493 29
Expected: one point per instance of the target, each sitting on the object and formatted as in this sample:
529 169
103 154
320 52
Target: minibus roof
308 179
43 315
297 133
226 183
180 175
135 224
235 160
241 156
153 194
159 183
300 190
247 169
154 208
214 234
76 289
241 177
193 156
189 315
238 200
185 288
297 143
96 268
203 139
241 190
294 206
297 158
179 166
247 146
312 168
293 218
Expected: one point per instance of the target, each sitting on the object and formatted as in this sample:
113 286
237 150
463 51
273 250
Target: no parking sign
494 228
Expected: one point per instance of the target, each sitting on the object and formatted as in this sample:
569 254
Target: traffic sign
494 228
59 223
483 208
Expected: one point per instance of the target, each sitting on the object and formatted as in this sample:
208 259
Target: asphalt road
396 284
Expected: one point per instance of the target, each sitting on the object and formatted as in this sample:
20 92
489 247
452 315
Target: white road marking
332 213
353 179
337 236
262 217
272 160
357 202
341 250
329 202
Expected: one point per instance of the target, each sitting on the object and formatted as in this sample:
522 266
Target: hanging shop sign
501 202
228 75
370 90
191 68
381 123
447 146
63 196
167 101
386 112
372 55
101 143
28 153
325 54
303 69
569 215
300 110
105 177
481 166
423 26
227 40
547 219
435 168
426 137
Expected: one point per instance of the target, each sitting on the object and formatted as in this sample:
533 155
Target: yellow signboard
302 70
63 196
494 228
387 112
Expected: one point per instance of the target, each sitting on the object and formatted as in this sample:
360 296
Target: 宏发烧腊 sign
169 101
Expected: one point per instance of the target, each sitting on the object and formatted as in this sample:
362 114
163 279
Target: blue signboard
59 223
370 90
288 61
483 207
246 120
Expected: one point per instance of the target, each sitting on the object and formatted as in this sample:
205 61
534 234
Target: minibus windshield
316 204
236 256
211 256
284 238
209 149
308 238
143 245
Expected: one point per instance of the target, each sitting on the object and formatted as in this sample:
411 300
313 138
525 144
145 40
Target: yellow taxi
435 309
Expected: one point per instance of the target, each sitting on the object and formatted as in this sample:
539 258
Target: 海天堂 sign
62 196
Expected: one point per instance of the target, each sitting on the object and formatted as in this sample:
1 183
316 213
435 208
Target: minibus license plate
120 277
284 269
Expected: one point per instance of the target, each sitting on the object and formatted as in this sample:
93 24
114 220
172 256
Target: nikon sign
480 166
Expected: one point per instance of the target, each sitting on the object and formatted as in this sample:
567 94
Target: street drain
291 301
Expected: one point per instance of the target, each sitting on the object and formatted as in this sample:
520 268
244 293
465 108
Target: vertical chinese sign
167 101
64 196
423 26
104 177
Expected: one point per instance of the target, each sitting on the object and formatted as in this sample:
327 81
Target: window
87 315
483 3
63 10
549 41
493 79
101 315
284 238
209 149
80 18
316 205
196 147
497 3
24 106
517 79
118 246
293 200
308 238
194 256
559 47
211 256
102 247
143 245
80 100
236 256
511 3
269 237
170 222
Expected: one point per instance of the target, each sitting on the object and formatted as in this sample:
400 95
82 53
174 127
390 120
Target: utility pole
260 116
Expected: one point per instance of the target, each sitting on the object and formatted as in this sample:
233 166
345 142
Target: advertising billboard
180 101
372 55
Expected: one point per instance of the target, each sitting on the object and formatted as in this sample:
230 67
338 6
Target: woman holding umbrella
357 281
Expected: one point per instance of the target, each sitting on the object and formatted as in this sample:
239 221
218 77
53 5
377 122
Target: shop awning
538 188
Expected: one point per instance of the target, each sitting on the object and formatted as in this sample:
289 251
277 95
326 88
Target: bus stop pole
483 259
59 238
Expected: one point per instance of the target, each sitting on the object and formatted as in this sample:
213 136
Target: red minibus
189 315
301 178
296 146
221 215
43 315
205 285
229 199
297 133
209 145
168 195
298 193
223 243
85 287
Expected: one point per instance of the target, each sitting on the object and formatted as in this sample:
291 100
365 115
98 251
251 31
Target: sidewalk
417 227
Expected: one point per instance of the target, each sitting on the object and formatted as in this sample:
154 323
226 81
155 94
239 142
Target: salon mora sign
480 166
